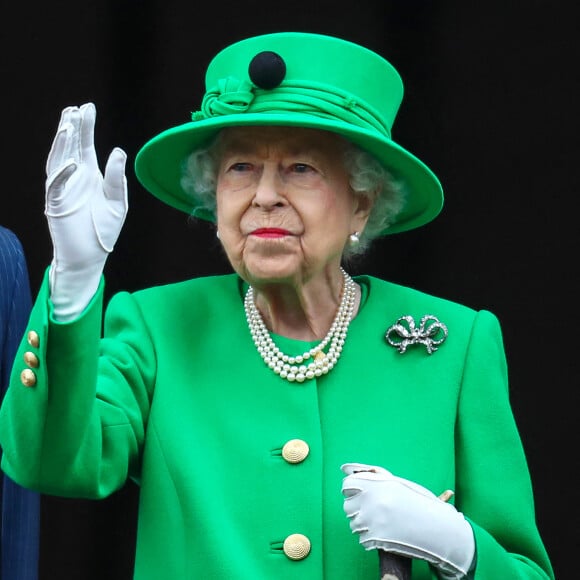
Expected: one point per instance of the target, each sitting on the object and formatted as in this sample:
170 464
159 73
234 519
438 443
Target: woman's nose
269 190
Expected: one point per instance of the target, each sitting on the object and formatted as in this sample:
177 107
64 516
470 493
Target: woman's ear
363 205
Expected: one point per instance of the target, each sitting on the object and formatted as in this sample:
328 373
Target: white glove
85 212
400 516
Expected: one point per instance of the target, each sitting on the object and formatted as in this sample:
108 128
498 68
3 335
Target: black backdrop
491 106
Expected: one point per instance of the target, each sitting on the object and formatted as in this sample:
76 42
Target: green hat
296 79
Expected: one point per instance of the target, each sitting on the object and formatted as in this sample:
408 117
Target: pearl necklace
298 368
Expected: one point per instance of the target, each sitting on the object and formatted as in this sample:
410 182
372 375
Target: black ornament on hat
267 69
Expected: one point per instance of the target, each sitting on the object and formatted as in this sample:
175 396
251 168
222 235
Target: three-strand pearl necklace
314 362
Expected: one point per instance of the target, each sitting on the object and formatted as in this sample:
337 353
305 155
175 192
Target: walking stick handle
394 567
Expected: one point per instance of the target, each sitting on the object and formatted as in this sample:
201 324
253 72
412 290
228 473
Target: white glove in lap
85 211
401 516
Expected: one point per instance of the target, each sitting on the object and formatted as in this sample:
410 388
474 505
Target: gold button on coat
295 451
33 338
28 378
296 546
31 359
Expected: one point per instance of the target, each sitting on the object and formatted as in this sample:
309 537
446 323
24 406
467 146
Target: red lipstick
270 233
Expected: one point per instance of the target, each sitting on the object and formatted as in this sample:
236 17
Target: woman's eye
240 167
301 168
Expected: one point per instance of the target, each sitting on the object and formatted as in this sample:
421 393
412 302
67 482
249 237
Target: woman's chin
268 271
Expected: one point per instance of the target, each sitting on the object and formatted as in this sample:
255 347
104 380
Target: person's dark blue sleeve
20 525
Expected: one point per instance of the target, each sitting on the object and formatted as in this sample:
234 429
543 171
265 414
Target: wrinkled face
284 205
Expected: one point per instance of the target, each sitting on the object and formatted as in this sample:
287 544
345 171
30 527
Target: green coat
176 397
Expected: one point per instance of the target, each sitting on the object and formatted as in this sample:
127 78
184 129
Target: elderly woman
240 403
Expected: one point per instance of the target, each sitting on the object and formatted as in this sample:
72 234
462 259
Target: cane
395 567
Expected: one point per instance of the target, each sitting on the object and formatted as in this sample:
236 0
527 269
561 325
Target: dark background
491 106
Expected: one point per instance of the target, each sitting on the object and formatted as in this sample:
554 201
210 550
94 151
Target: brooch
404 333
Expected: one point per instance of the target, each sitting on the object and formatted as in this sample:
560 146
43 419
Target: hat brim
158 165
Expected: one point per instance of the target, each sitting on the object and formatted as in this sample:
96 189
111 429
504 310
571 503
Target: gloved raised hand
85 210
403 517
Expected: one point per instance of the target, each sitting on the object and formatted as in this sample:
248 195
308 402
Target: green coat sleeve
493 479
76 440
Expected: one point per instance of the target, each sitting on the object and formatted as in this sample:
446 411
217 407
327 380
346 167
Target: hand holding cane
381 507
395 567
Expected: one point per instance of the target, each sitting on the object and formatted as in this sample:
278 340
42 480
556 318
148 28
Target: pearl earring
354 239
217 234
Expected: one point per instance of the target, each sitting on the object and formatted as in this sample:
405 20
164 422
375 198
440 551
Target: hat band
232 96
